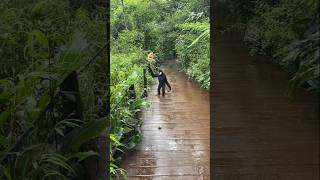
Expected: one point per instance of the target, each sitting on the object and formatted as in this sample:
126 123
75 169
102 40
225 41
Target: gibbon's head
160 72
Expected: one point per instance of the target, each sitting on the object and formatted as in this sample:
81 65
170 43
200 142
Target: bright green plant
193 49
127 63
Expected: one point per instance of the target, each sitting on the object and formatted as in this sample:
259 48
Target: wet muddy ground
175 128
258 132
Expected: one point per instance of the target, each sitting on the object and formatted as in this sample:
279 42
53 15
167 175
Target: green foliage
193 49
153 19
41 44
126 69
302 56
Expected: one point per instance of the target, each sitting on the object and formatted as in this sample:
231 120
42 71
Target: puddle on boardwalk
180 149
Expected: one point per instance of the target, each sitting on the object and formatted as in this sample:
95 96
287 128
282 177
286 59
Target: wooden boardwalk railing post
95 167
69 89
145 93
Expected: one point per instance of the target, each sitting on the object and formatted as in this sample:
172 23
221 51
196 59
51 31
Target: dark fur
162 80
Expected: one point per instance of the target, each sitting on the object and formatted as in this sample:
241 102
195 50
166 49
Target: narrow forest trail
180 149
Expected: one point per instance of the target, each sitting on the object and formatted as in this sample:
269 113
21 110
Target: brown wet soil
180 148
257 131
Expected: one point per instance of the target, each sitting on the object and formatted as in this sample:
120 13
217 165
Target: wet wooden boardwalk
180 149
258 132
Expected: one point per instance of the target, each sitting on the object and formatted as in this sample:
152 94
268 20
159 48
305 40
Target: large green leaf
90 130
4 116
39 8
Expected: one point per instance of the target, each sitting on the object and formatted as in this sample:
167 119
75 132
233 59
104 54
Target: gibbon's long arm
152 73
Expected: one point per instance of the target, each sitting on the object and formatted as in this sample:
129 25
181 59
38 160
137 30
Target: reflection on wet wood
180 149
257 131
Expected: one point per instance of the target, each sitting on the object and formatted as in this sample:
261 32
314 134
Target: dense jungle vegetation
287 30
43 42
172 29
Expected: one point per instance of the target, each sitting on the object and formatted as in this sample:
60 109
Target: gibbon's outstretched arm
152 73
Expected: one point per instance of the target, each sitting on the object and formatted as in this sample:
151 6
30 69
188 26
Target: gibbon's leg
159 87
163 86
